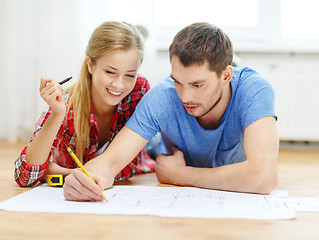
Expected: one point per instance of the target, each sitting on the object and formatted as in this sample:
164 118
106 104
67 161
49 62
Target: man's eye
197 85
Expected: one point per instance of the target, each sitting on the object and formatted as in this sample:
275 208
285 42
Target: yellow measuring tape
55 180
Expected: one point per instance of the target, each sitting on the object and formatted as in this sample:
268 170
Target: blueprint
157 201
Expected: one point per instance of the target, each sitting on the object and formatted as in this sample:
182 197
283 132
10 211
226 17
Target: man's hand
79 187
169 168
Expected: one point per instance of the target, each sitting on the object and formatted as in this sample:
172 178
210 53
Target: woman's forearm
39 149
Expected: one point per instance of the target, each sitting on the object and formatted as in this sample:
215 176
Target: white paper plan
157 201
298 204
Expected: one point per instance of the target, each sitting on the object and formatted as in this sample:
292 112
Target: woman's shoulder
142 84
129 103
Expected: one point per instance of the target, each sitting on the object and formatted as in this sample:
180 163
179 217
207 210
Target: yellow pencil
81 166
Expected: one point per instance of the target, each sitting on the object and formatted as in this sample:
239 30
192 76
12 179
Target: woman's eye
197 85
110 72
130 76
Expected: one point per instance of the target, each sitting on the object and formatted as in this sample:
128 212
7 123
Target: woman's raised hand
52 93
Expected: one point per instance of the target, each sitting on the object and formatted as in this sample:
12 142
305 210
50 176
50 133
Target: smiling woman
114 73
87 115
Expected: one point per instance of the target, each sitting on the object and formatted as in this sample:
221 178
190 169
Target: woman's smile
114 93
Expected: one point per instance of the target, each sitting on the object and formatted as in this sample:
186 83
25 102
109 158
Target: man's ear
90 65
227 74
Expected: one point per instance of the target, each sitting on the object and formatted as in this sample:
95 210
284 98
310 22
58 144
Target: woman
89 114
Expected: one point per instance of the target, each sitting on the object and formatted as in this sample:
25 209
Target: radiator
297 107
295 79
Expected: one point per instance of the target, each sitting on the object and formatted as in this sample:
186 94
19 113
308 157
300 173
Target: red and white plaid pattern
26 175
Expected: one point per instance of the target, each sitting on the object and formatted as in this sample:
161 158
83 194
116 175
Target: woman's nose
118 83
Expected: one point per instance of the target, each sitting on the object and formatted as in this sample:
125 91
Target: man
217 122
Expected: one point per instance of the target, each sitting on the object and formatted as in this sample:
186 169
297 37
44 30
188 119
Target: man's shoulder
161 96
243 73
166 83
246 77
165 87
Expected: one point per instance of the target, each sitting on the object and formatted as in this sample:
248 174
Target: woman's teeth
115 93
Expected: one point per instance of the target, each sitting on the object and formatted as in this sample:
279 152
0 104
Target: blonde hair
108 37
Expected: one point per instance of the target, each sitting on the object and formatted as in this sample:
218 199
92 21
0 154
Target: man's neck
212 119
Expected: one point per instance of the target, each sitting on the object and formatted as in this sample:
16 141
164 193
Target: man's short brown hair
200 42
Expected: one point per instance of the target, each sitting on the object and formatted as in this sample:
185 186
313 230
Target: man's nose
185 96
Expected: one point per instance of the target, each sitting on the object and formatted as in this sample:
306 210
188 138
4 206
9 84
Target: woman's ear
227 74
90 65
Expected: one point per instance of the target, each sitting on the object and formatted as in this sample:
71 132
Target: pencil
65 80
81 166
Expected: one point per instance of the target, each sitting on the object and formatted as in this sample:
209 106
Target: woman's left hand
54 168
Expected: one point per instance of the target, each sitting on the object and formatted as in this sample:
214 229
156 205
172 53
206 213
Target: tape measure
56 180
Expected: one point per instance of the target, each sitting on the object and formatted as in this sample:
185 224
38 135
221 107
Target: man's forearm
101 166
240 177
122 150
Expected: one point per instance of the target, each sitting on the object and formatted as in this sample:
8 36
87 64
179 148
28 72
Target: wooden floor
294 166
298 174
296 169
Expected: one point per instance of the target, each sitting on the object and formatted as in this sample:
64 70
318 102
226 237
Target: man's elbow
266 183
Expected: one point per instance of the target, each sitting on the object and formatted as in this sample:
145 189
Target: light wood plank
298 173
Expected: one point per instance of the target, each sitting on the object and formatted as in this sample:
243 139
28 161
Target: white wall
48 38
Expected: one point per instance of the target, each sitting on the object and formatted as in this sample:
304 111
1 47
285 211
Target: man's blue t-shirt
160 110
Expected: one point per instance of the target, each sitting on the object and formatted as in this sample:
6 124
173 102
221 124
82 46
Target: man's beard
217 101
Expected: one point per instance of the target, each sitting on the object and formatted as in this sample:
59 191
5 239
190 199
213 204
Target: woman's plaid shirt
26 175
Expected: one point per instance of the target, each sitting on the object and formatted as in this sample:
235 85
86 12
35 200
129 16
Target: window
299 19
182 13
252 25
